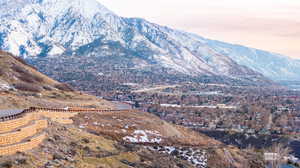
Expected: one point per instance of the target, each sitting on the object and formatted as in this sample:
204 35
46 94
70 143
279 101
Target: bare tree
252 158
280 151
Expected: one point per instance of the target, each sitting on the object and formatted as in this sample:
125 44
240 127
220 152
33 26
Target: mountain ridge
52 28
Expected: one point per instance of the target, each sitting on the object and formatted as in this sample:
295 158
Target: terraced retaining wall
22 133
23 146
15 129
23 119
26 118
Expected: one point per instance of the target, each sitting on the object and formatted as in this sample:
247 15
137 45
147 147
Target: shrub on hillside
37 78
28 87
1 71
27 79
19 69
73 144
85 140
64 87
23 62
47 88
26 76
58 156
6 164
87 150
21 161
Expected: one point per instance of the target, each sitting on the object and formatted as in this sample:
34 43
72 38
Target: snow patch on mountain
41 28
56 50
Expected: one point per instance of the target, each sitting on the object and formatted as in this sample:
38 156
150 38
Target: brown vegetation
64 87
28 87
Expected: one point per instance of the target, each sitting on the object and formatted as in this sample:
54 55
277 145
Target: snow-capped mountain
57 28
275 66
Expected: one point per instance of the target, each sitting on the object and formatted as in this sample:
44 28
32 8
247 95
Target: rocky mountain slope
275 66
56 29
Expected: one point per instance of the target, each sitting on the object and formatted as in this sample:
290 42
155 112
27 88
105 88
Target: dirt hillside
22 86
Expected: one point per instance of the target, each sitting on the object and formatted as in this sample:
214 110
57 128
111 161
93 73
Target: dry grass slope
22 86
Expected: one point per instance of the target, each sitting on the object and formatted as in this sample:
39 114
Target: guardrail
33 109
18 115
80 110
12 117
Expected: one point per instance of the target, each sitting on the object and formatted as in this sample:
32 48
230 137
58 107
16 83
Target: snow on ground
56 50
196 157
170 105
5 86
221 106
142 136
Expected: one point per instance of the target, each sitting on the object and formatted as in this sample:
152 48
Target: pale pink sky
272 25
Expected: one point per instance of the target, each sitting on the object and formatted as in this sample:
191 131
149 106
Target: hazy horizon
267 25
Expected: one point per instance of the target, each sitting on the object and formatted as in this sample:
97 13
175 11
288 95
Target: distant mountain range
57 29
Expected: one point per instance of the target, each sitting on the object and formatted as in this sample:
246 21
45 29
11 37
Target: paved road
9 112
121 105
